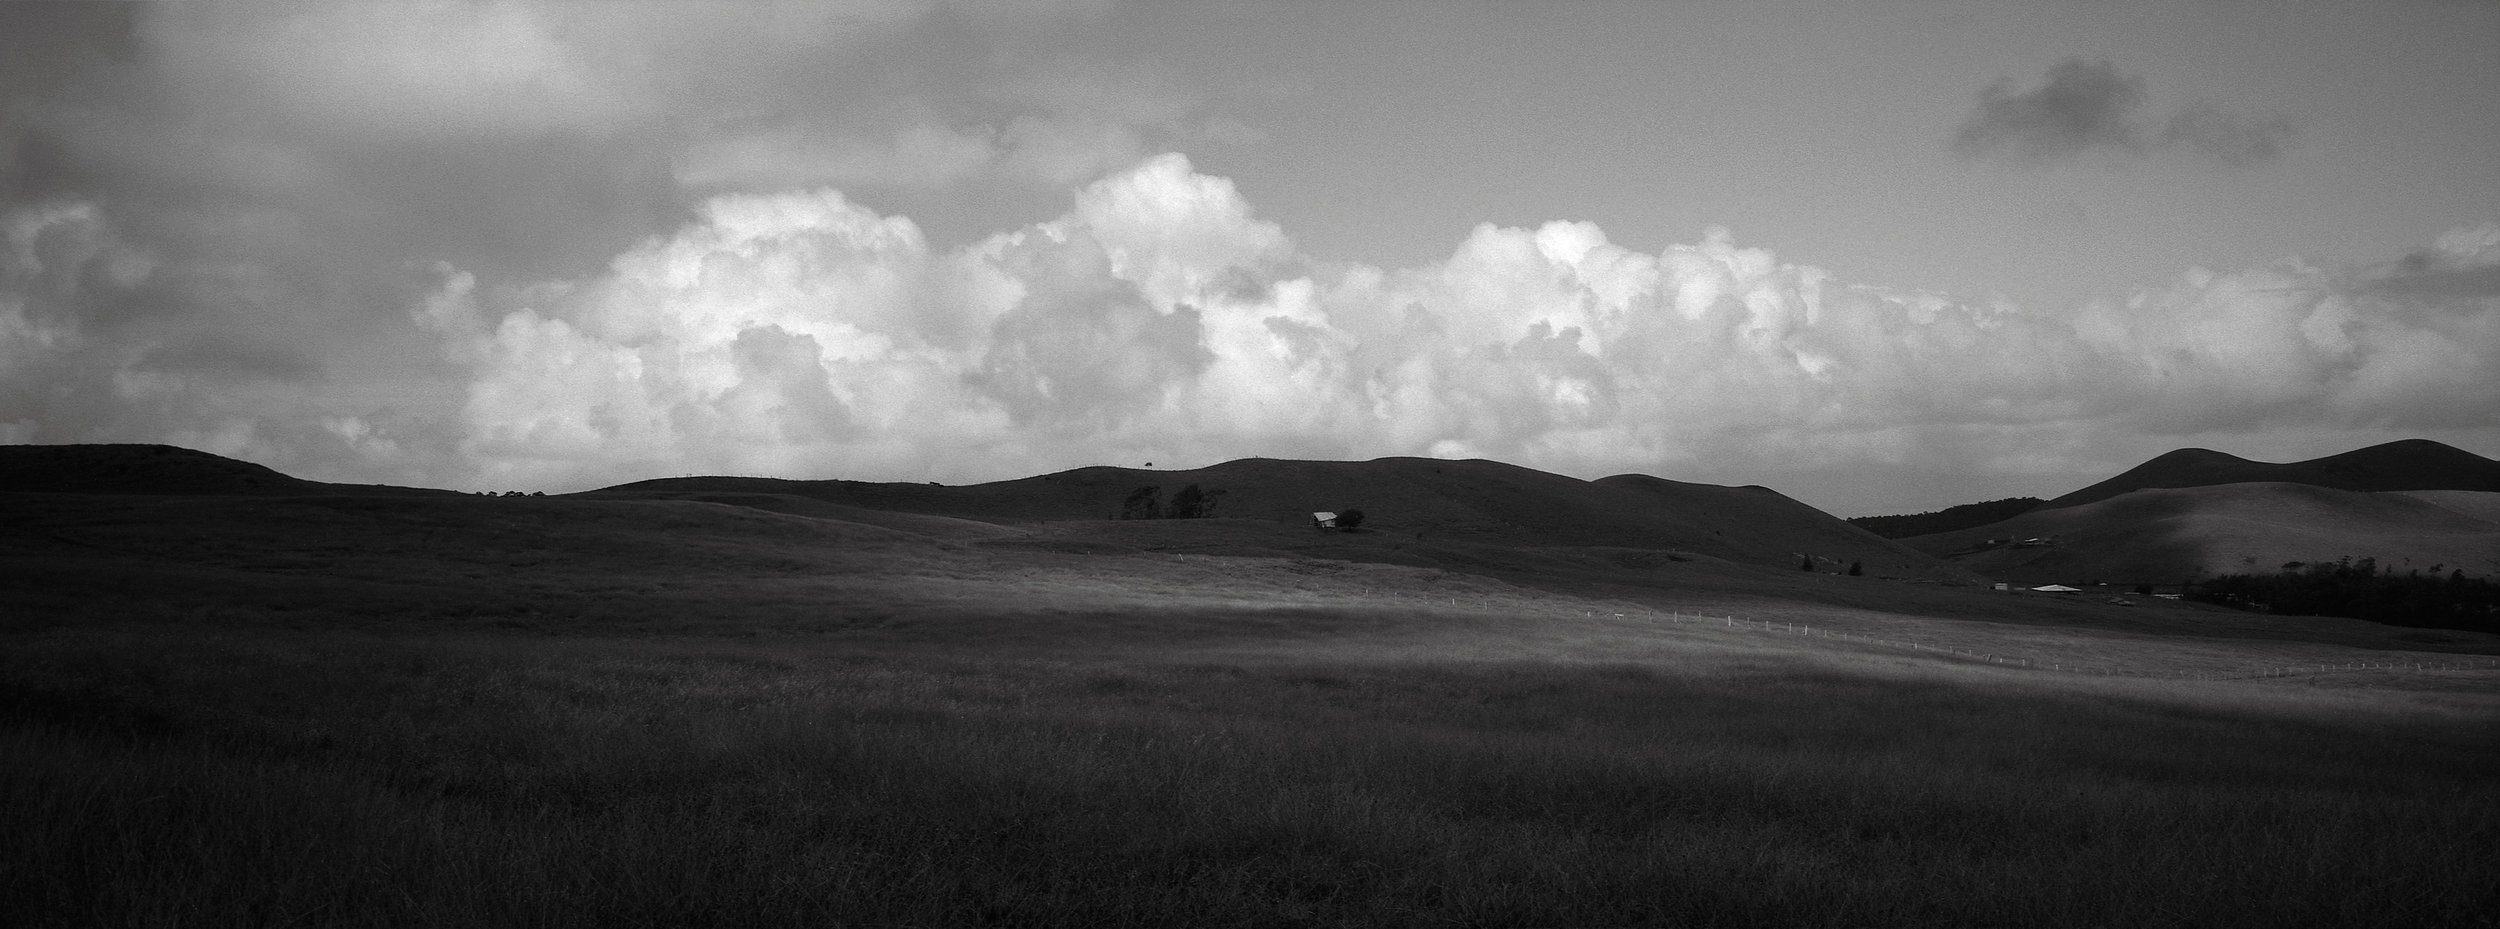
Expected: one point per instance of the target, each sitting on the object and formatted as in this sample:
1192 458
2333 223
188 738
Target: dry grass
754 719
226 777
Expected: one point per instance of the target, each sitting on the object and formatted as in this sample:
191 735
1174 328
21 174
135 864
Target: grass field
390 713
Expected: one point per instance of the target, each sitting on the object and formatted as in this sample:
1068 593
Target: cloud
266 183
2464 264
570 244
1160 319
2090 107
2081 106
91 351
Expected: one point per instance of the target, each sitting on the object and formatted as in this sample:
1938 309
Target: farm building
1323 520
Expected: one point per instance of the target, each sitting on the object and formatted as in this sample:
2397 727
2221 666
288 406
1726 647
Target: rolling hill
1468 502
2411 464
156 469
2165 535
1946 520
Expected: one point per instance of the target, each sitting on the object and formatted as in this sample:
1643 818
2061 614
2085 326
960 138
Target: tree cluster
1190 503
1966 516
2361 589
1856 568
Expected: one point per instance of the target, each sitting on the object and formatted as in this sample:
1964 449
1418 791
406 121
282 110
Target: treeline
1189 503
1951 518
2362 590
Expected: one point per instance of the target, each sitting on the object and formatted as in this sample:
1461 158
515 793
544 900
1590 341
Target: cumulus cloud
1161 319
548 250
271 179
2087 107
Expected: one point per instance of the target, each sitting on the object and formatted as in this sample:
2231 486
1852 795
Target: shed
1323 520
2058 589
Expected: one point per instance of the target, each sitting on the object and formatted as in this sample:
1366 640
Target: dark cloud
2083 107
2463 265
2466 282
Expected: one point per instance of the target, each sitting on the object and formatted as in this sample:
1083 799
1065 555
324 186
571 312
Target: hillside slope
2411 464
1474 501
157 469
136 469
2165 535
1949 519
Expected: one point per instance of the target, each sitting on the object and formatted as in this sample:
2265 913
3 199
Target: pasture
558 713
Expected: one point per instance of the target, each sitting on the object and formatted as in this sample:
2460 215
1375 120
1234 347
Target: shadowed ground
767 710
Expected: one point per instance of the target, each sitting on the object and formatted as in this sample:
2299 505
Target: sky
1882 257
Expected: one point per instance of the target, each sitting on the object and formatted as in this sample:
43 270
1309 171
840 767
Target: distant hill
1482 505
155 469
1450 501
136 469
1945 520
2164 535
2411 464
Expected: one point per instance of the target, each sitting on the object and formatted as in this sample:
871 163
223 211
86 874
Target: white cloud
799 334
1159 318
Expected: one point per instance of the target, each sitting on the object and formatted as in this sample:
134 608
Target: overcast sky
1884 257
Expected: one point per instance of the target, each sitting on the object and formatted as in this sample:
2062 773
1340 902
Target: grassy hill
2165 535
733 704
154 469
1427 500
136 469
1949 519
2410 464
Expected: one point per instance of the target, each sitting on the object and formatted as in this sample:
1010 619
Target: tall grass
170 777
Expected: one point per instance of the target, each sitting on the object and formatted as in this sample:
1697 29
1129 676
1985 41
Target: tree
1806 564
1192 503
1857 569
1142 503
1348 519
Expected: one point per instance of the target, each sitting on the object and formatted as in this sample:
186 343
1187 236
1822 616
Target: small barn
1323 520
2058 589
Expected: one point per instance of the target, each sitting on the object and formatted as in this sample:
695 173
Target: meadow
776 721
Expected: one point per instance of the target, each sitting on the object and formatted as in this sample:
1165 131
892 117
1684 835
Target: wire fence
1950 651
